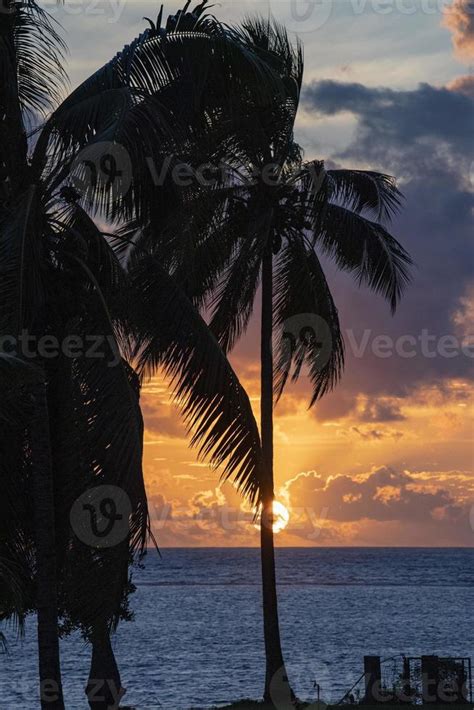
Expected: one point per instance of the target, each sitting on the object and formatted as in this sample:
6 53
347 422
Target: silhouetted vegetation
188 91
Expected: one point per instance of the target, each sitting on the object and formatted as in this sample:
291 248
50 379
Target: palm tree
15 580
265 222
16 588
61 278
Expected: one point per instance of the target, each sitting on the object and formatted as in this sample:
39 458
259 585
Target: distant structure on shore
405 680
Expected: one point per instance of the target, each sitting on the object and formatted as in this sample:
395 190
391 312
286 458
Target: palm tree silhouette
61 278
16 589
265 222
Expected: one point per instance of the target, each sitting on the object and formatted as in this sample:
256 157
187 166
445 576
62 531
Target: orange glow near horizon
341 478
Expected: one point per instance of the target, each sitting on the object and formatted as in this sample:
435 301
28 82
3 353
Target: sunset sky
388 458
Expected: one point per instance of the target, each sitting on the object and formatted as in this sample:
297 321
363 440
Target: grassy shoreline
260 705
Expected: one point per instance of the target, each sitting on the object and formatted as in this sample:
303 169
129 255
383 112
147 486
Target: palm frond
39 56
12 590
194 237
367 250
273 125
271 40
102 260
233 297
169 333
361 190
114 379
31 81
16 560
21 273
136 102
16 375
13 141
97 440
307 320
96 436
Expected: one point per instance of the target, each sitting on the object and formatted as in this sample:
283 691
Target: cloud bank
459 18
424 137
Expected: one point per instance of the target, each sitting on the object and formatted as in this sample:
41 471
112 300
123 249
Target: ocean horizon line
313 547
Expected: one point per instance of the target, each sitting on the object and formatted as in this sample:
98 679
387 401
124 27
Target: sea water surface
196 640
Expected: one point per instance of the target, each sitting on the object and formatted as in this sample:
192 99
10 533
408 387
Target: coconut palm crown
267 220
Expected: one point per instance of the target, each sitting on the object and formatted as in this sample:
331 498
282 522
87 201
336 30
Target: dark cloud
160 509
335 405
380 411
341 403
423 136
394 125
161 420
377 434
385 495
165 426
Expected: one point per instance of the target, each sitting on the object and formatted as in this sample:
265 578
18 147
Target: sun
279 519
281 516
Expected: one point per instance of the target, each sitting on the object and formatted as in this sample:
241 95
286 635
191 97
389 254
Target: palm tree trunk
46 578
104 688
276 681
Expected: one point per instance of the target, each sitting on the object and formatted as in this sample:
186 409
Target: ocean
196 641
